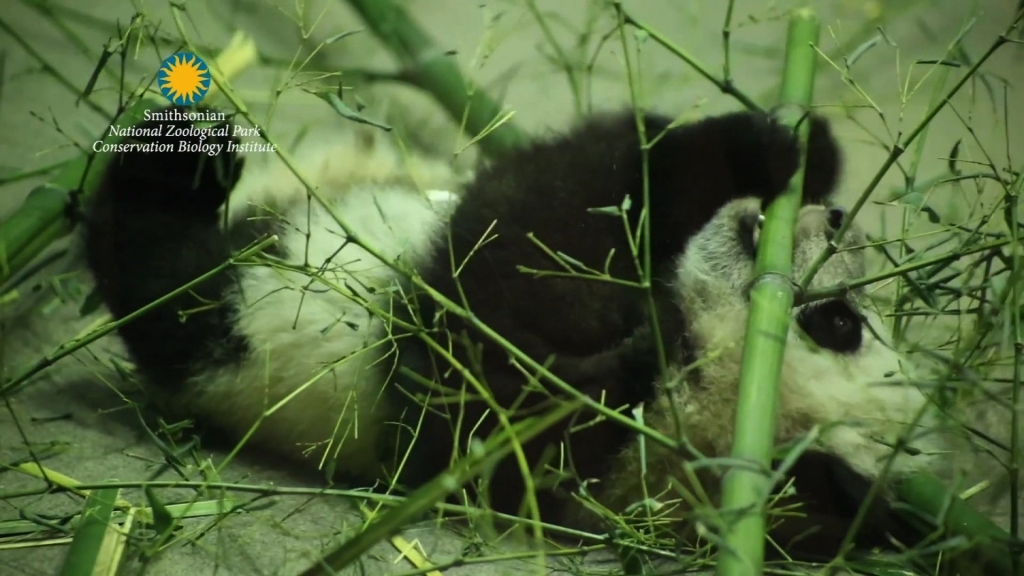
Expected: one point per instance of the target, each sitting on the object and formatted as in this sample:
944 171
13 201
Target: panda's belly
306 389
313 382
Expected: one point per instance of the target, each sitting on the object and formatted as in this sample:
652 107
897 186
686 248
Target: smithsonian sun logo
183 78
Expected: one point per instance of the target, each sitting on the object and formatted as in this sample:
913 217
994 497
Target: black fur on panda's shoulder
596 331
151 227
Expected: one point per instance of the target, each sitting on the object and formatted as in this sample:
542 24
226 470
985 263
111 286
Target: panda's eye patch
833 325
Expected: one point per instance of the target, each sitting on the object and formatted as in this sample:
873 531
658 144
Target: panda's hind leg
152 227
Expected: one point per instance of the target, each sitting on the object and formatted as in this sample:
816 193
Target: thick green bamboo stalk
991 545
41 218
771 299
439 74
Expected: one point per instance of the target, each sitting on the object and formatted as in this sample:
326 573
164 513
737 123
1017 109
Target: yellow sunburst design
184 78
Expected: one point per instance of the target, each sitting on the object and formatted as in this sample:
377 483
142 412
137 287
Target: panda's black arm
596 329
544 195
151 228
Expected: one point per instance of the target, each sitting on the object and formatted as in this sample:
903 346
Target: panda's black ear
173 168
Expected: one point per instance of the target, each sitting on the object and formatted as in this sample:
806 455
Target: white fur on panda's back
312 341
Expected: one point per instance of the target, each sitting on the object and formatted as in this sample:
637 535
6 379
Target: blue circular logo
183 78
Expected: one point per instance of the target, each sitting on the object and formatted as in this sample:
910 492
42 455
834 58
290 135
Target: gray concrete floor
73 405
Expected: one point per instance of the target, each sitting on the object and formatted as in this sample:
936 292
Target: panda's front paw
824 162
175 165
640 353
764 155
638 356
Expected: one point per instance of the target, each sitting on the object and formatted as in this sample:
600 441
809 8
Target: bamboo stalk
991 546
771 299
437 72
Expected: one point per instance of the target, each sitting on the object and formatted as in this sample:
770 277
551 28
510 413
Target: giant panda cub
323 352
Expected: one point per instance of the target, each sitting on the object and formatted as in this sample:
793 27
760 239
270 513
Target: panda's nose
835 218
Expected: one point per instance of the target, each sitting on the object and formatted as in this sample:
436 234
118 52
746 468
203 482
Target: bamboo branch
427 496
899 148
745 491
7 389
436 71
724 84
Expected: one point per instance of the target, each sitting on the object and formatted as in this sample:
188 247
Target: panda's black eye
833 325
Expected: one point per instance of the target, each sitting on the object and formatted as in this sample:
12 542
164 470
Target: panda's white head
840 378
839 371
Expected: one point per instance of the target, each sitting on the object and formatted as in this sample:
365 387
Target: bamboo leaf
84 552
163 520
862 50
92 303
954 155
917 200
349 114
341 36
